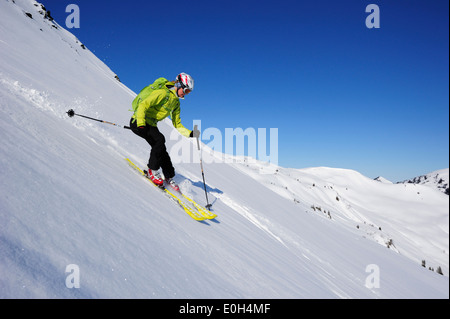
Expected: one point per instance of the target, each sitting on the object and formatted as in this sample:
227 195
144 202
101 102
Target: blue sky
341 95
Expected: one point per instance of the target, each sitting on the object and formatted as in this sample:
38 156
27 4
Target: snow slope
69 198
381 179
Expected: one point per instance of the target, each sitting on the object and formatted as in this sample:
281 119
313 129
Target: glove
140 130
195 133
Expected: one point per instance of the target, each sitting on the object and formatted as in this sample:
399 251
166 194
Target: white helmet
185 81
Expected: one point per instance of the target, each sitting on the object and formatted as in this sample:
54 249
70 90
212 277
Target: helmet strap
176 92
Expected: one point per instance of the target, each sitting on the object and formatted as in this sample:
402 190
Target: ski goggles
186 90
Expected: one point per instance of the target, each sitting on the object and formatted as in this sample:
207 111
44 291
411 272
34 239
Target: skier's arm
176 121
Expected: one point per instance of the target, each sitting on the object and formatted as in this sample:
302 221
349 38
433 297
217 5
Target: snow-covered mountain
382 180
70 201
437 179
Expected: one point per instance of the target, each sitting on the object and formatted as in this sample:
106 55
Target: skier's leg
145 133
159 157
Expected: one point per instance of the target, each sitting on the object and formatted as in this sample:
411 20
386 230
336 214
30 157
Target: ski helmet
185 81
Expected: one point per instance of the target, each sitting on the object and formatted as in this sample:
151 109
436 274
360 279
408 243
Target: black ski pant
159 158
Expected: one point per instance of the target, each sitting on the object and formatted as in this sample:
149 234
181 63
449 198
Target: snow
69 198
381 179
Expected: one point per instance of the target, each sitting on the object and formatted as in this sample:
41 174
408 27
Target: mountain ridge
438 179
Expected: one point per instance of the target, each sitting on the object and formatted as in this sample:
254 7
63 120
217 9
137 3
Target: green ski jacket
159 105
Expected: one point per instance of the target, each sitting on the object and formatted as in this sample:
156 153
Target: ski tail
135 166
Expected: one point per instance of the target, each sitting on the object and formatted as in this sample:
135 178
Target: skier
161 103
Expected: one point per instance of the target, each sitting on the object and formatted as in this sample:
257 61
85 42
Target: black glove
140 130
195 133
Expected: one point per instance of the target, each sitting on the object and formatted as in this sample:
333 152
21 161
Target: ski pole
71 113
208 205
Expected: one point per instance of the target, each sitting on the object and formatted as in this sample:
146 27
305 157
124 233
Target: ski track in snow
37 98
250 216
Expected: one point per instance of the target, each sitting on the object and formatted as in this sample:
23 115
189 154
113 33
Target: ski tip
211 216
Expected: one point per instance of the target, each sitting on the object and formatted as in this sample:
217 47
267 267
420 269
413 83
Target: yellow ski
206 213
191 212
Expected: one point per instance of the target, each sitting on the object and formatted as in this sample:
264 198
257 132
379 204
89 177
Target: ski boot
154 177
173 185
